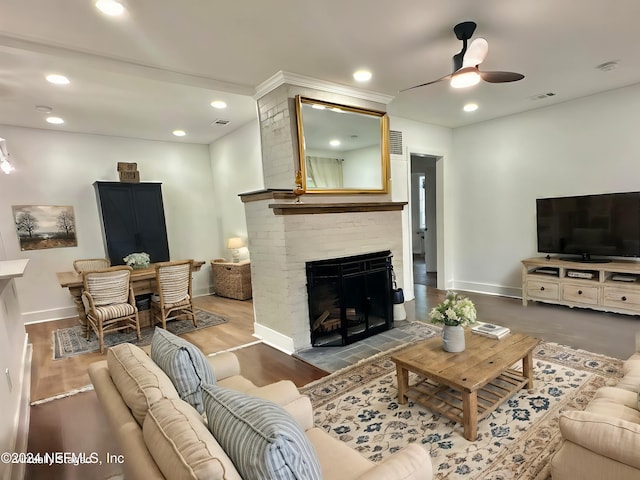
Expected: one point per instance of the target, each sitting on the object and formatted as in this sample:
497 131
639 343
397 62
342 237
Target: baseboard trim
17 470
488 289
274 339
39 316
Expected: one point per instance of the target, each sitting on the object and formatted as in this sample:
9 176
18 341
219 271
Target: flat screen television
605 225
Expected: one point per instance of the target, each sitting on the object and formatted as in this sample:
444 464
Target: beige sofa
162 436
603 441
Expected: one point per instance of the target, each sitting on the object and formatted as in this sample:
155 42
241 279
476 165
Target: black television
604 225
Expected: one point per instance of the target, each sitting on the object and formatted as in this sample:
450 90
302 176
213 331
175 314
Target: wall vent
220 122
395 142
542 96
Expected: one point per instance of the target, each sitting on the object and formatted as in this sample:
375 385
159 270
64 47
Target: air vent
395 142
542 96
220 122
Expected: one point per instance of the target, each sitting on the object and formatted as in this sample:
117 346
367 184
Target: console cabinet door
132 220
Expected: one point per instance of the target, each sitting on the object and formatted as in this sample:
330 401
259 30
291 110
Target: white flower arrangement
455 310
138 260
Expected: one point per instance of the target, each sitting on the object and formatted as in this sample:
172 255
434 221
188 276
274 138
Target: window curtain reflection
325 172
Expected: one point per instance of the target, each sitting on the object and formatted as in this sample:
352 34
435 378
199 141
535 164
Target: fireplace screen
349 298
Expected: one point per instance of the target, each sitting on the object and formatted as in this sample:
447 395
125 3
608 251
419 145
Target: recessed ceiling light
110 7
362 75
179 133
219 104
44 108
317 106
334 143
470 107
55 120
57 79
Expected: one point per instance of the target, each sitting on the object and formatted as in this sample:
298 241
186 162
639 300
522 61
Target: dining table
143 281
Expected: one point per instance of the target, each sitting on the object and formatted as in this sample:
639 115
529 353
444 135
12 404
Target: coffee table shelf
448 402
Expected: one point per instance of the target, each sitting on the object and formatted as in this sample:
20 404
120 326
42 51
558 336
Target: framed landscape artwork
45 226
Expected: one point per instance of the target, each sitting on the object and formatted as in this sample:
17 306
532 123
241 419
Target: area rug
358 405
69 342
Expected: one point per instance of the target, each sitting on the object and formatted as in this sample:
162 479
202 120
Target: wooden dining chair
87 264
174 296
109 302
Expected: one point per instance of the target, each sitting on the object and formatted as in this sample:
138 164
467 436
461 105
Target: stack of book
490 330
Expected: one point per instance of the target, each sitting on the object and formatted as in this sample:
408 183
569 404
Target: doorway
424 220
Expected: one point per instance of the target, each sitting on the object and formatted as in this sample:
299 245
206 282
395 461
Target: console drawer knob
541 288
579 292
624 299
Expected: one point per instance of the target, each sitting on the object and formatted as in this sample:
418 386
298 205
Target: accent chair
109 302
174 296
88 264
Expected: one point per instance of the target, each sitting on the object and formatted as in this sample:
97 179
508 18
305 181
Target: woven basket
232 280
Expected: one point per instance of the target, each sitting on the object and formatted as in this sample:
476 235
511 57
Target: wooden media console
612 286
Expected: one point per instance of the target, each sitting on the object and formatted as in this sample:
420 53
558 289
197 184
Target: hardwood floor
52 377
77 424
609 334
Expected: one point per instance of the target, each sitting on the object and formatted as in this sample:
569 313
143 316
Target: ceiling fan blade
476 53
428 83
501 77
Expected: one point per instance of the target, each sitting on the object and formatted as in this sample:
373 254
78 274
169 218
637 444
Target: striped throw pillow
260 437
184 364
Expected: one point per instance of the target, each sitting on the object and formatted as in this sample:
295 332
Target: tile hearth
332 359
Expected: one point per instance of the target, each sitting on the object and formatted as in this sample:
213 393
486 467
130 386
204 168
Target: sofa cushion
631 382
261 438
184 363
181 444
138 379
616 403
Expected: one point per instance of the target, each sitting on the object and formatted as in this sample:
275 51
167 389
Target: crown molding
280 78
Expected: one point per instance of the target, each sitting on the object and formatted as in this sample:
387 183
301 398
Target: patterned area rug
359 406
69 342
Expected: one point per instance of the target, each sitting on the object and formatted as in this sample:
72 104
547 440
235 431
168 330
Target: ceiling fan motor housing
463 32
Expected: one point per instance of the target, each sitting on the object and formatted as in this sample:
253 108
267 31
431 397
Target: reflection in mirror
342 149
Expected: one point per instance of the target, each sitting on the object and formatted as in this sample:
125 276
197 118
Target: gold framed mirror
343 149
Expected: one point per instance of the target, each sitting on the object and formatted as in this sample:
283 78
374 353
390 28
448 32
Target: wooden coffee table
469 385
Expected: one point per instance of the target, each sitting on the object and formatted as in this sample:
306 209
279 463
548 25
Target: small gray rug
69 342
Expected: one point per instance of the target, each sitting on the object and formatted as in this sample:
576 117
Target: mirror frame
384 148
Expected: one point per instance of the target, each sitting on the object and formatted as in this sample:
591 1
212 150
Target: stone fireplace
284 235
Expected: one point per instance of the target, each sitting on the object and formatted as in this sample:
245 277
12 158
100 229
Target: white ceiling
158 68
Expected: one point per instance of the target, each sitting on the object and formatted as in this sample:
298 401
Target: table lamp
234 244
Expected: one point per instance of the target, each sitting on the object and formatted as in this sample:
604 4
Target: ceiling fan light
465 79
110 7
6 167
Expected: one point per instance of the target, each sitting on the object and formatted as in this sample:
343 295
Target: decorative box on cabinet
232 280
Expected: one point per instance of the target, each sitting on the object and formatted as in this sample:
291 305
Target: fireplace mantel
310 208
315 208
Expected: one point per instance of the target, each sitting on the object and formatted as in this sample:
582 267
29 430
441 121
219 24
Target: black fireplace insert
349 298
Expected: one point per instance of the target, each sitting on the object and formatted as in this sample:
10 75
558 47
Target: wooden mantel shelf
316 208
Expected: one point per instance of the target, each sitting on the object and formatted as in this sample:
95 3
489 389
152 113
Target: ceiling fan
466 61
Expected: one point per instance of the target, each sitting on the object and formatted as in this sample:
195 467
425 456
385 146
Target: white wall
436 141
236 165
361 167
57 168
499 168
